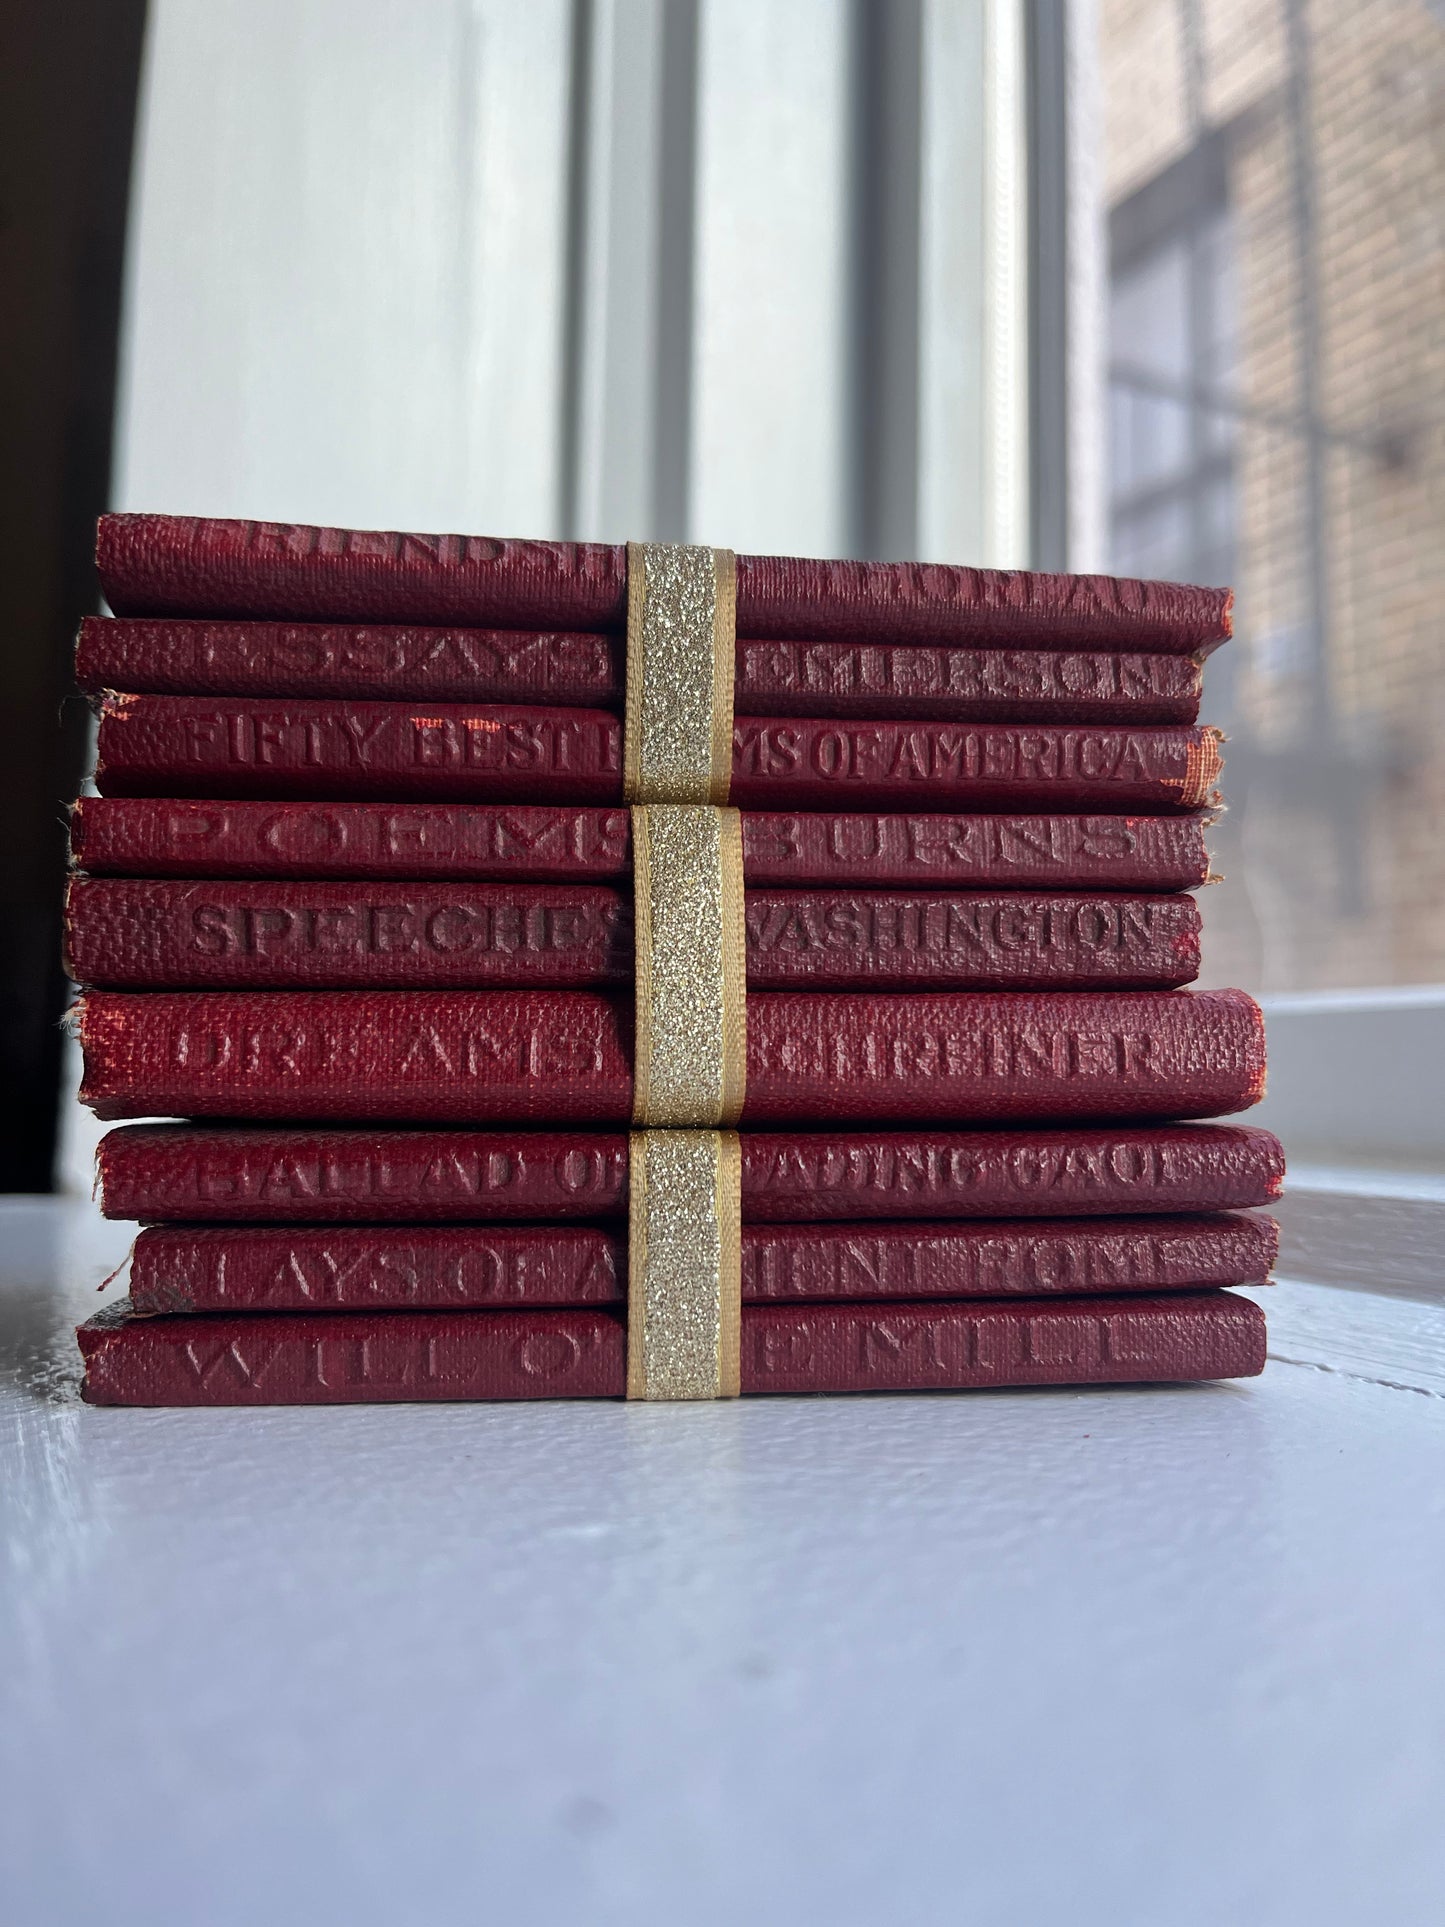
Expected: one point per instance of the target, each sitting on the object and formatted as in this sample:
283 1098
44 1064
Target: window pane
1276 333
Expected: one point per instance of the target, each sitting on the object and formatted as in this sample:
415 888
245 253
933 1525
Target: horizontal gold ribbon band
681 629
684 1265
690 1049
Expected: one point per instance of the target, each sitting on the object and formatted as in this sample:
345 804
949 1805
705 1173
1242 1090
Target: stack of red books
355 896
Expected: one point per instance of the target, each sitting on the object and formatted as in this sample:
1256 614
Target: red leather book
129 935
342 1358
268 659
185 837
565 1056
187 1268
185 565
230 746
231 1173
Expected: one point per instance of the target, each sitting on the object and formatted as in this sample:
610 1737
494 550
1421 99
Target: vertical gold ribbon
690 1056
681 629
684 1265
690 1048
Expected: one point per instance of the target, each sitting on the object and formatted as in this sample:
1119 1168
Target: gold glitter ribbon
681 628
690 1055
684 1265
690 1051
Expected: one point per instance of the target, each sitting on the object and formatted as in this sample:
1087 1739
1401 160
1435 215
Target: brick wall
1335 848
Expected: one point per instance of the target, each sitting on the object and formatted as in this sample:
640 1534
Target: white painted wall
973 287
769 445
344 297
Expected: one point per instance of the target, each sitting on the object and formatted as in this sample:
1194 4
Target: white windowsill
1371 1228
517 1647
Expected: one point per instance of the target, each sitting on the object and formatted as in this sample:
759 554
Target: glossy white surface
1142 1656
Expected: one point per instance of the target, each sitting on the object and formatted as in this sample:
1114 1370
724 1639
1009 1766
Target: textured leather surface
388 1357
821 765
190 566
403 663
127 934
194 566
338 1358
231 746
565 1056
177 1268
1162 853
1036 684
234 746
187 837
133 934
518 842
957 1057
179 658
232 1173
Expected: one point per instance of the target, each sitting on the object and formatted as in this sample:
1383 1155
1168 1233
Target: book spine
181 837
189 1173
798 599
1146 853
373 660
1039 685
821 765
999 1259
178 1172
959 1057
230 747
564 1057
1039 1173
394 1268
162 565
409 664
342 1358
375 1268
174 565
127 934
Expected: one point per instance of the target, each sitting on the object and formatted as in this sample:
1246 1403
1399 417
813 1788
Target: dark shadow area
68 84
